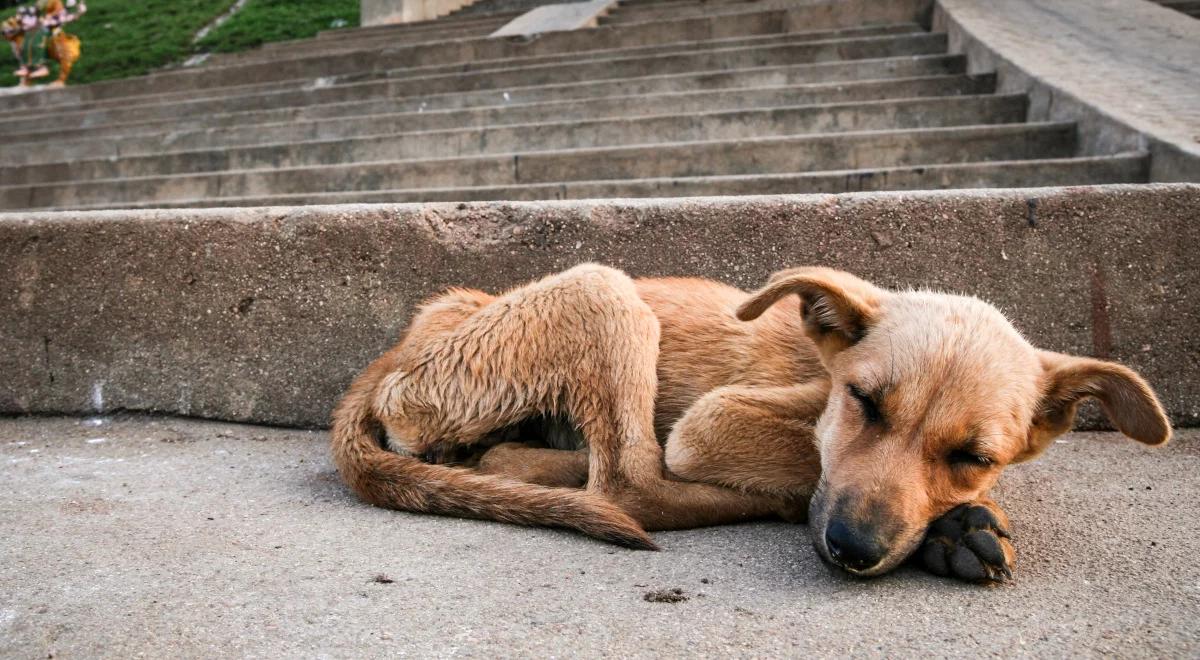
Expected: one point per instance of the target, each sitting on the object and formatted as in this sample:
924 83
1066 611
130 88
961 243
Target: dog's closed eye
870 408
969 457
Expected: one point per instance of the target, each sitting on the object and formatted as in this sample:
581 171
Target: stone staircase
666 98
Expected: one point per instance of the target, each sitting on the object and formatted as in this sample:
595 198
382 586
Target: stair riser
797 37
625 106
413 72
630 15
1000 175
91 144
724 126
499 79
1008 175
60 146
772 22
748 157
274 51
402 28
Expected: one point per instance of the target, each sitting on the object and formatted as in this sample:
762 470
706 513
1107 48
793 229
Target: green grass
124 38
261 21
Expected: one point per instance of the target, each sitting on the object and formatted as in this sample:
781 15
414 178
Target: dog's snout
853 547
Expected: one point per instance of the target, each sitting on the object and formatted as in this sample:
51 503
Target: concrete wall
385 12
264 315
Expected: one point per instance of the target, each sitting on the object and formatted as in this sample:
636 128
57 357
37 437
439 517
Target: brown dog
877 412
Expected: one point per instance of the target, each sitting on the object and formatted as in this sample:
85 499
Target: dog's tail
396 481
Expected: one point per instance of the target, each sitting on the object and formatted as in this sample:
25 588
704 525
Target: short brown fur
873 412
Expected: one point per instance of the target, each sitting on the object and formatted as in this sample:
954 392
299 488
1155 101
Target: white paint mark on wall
98 396
95 441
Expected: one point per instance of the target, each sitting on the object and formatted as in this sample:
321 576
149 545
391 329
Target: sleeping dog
612 406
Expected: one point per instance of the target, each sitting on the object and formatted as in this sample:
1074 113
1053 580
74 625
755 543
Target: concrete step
142 137
411 71
700 60
835 151
542 136
299 67
1075 171
399 34
274 51
416 26
243 131
331 47
675 10
624 5
577 55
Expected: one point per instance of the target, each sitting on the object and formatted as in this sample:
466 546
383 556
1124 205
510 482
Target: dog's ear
1127 400
837 307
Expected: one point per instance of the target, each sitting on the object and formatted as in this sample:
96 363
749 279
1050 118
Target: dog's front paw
970 543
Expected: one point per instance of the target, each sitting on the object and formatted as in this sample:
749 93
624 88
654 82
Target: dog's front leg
757 440
970 542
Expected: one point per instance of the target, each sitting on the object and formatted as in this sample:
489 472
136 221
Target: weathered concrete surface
867 152
306 123
1127 70
266 314
302 70
991 174
553 133
556 18
380 96
174 538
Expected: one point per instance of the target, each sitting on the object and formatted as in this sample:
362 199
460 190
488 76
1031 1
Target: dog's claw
970 543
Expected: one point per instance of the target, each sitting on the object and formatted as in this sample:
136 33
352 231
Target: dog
612 406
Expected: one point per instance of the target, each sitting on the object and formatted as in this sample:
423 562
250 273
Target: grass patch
125 38
261 21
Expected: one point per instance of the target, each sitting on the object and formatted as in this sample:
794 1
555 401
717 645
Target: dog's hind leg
582 345
537 465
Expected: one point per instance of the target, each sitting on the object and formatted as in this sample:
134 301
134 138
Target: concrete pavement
138 536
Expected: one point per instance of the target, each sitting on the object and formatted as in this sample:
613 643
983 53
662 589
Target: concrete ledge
265 314
556 18
1125 70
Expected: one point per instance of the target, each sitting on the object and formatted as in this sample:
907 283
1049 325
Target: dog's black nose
852 548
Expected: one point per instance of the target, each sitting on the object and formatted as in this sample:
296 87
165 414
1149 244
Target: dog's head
932 395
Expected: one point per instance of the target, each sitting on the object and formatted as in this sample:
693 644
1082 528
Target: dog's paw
970 543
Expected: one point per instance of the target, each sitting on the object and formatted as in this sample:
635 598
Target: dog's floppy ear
1127 400
836 305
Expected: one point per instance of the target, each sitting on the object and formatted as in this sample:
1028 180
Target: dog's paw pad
969 543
